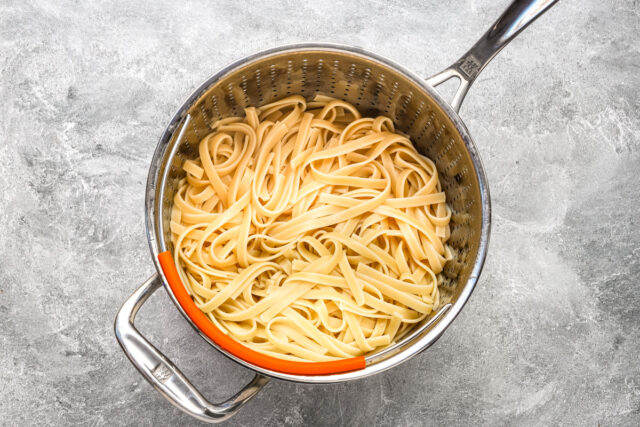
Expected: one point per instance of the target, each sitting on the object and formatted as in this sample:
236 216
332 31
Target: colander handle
512 21
163 375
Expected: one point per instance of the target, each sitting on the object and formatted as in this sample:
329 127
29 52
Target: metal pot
376 86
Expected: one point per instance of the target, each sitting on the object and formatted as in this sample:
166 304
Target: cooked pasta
308 232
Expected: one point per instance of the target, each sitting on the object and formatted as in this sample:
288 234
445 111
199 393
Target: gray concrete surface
550 336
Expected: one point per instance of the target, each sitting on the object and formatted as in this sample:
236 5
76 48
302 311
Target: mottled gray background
550 336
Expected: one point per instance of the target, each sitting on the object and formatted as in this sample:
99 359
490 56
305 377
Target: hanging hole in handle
449 87
462 83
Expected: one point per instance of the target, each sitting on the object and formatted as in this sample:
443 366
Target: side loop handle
163 375
513 20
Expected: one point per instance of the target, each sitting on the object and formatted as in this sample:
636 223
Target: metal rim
156 244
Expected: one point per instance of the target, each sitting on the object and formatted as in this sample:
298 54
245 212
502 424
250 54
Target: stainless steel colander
377 86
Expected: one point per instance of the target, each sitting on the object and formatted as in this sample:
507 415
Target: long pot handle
163 375
512 21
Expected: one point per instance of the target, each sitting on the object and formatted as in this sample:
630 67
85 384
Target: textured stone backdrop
552 333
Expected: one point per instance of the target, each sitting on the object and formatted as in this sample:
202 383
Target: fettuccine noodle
308 232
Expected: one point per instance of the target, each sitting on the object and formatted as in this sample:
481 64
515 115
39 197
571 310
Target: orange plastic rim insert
236 348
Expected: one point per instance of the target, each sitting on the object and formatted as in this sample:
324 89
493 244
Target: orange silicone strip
236 348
